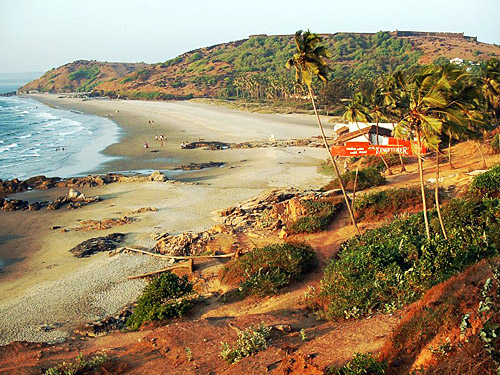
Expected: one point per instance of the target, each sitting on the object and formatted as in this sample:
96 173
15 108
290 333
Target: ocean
36 139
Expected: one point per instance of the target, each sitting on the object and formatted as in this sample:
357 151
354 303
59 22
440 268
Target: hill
254 67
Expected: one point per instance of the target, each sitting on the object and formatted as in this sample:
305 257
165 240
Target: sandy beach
43 285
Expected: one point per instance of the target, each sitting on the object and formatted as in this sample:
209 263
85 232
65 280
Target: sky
37 35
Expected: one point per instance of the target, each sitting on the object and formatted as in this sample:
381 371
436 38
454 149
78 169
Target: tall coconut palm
394 102
309 62
423 120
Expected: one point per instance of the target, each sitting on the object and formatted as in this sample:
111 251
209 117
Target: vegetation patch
360 364
487 183
390 266
367 177
85 72
319 214
265 270
388 203
82 365
250 341
166 296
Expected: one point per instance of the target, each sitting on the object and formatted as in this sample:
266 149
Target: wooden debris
188 264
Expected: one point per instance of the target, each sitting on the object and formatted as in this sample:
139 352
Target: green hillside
255 67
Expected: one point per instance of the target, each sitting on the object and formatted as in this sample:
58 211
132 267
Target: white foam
8 147
45 116
24 136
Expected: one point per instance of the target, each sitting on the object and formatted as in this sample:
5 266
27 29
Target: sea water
36 139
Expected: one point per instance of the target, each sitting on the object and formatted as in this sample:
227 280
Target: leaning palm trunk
403 168
337 172
370 142
436 193
378 144
449 155
422 187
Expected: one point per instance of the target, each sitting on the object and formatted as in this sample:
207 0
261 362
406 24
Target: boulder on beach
73 193
157 176
94 245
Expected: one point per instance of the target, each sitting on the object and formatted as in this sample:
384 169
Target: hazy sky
36 35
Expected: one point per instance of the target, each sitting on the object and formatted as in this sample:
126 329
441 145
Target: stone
93 245
73 193
157 176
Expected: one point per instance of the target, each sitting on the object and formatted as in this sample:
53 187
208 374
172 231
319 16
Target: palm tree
425 106
357 111
309 62
394 102
490 80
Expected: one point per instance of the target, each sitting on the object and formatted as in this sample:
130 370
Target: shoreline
48 286
82 149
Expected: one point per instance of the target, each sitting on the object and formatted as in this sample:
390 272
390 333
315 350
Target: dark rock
94 245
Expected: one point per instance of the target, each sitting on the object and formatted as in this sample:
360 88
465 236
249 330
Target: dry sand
45 285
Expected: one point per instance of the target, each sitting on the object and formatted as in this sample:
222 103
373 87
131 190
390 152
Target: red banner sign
364 148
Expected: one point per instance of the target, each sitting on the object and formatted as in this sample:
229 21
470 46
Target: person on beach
146 145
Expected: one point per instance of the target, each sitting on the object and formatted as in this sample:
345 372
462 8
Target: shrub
166 296
360 364
392 159
487 183
318 216
250 341
387 267
387 203
85 72
81 365
265 270
367 178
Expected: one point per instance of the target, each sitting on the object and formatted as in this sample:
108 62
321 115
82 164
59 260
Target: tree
490 79
357 111
394 102
422 120
309 62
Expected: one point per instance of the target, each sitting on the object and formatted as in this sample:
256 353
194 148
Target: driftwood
187 264
236 254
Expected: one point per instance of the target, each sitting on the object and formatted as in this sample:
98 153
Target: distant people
156 137
272 138
183 145
146 145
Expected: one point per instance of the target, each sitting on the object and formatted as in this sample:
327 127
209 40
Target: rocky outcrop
189 243
104 224
197 166
42 182
17 186
98 244
157 176
215 145
270 210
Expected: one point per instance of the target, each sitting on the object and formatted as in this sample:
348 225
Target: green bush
85 72
250 341
361 364
166 296
380 204
367 177
487 183
82 365
387 267
318 216
265 270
